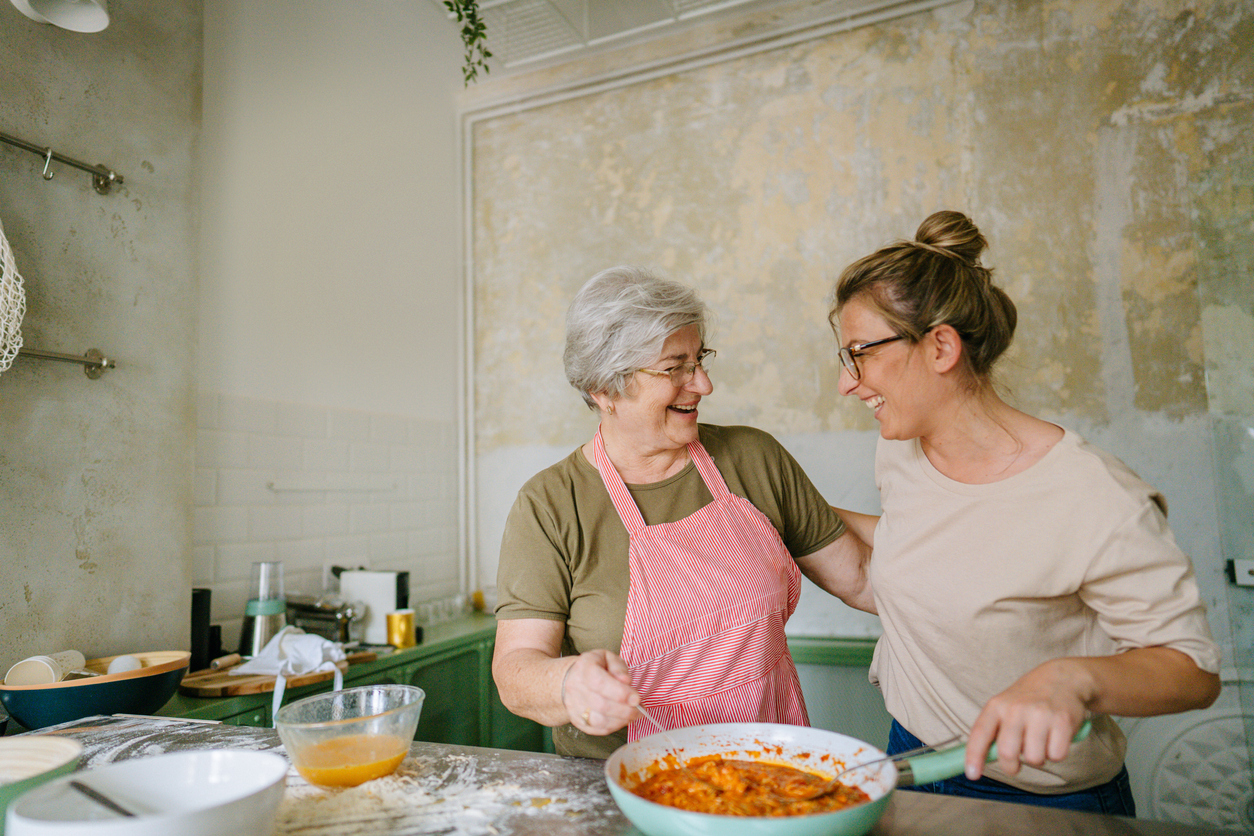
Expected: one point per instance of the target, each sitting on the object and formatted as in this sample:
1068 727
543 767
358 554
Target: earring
610 409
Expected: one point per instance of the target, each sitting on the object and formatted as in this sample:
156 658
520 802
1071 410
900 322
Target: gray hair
618 322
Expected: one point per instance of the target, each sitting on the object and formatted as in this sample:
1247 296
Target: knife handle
947 763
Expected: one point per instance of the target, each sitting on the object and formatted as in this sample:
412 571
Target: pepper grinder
265 614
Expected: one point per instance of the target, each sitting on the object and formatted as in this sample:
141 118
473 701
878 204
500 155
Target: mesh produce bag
12 305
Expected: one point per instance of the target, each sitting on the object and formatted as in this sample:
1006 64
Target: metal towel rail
102 177
94 363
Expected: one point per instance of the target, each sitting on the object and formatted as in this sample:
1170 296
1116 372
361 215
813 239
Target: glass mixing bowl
345 738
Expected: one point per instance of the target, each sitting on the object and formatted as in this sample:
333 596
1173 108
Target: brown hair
936 279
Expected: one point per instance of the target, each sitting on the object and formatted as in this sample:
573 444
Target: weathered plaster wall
96 476
1077 134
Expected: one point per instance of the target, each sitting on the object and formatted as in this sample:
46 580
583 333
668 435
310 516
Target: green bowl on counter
26 761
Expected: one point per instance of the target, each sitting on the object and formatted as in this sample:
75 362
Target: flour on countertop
111 739
453 794
438 789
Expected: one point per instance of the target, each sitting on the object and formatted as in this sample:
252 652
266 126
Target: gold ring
587 717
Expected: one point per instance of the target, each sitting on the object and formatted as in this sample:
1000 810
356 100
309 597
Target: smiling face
655 415
894 382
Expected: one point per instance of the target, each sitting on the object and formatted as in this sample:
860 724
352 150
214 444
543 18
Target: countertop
495 792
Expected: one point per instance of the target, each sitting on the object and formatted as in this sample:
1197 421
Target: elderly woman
654 566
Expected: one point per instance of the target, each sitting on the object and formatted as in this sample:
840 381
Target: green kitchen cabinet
453 684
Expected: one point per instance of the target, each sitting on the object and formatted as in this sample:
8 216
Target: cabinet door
258 717
452 682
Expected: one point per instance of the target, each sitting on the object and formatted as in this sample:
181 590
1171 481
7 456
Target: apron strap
626 506
709 471
623 503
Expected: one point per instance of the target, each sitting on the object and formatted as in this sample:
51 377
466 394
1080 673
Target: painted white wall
330 200
330 327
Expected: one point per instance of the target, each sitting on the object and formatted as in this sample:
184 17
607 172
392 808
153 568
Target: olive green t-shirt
564 552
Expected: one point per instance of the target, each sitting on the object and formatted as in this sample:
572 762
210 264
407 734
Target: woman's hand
592 691
596 691
1032 721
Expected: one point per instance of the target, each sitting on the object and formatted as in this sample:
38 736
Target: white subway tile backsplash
219 524
218 448
352 550
403 516
205 487
349 426
274 452
389 429
271 523
324 454
235 560
326 520
203 565
302 421
244 487
226 602
207 411
388 548
402 458
302 552
367 519
315 487
368 457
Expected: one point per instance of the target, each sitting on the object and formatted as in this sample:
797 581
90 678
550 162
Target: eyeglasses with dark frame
680 375
849 355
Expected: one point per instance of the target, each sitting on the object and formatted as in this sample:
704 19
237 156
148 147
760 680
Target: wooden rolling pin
224 662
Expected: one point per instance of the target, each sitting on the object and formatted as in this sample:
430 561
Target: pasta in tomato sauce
727 787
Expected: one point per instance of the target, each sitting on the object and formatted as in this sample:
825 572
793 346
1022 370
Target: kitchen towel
292 652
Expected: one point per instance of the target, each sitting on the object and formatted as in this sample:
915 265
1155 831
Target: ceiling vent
521 32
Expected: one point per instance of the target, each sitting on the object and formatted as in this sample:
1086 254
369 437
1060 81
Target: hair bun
953 233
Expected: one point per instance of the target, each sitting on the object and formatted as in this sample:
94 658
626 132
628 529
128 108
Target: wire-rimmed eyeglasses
684 372
849 355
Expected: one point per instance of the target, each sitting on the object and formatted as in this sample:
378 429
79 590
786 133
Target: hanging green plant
474 37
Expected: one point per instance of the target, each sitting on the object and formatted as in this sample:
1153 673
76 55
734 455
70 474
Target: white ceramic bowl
195 793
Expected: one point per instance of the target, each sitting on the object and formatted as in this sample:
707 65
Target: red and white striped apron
707 599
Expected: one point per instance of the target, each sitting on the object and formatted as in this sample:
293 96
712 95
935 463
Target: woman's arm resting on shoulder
842 568
593 690
862 525
1034 719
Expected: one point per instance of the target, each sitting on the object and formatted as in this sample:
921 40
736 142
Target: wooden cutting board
220 683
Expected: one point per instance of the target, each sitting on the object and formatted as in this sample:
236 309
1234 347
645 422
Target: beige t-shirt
564 552
978 584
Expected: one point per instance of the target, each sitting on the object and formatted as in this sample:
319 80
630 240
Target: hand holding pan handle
937 766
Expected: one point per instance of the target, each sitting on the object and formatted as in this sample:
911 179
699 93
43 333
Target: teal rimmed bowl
140 691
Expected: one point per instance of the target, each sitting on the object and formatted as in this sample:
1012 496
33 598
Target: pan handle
946 763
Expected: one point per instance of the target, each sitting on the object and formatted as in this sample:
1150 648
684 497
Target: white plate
186 793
